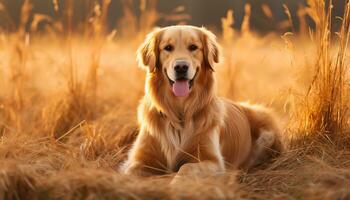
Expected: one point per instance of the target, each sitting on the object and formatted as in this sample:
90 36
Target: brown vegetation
68 110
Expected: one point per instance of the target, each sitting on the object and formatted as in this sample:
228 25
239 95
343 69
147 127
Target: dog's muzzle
182 84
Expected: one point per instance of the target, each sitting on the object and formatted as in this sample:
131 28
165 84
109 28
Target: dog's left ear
148 52
211 48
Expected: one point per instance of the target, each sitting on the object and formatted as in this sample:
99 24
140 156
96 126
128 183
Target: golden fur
199 133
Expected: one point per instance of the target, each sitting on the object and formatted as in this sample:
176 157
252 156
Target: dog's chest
175 144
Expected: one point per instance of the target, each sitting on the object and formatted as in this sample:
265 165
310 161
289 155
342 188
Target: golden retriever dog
184 126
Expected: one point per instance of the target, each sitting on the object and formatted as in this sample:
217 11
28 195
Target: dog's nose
181 68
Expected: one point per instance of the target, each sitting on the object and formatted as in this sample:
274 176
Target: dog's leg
209 163
266 134
261 148
145 158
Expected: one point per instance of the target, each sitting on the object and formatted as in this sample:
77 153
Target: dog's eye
192 47
168 48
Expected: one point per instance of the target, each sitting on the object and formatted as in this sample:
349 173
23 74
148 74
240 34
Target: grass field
68 111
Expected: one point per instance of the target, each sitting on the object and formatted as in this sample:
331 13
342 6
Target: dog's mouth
181 87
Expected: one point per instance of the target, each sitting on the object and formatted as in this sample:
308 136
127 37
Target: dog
184 126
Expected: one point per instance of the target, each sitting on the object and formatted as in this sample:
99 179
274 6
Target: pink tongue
181 88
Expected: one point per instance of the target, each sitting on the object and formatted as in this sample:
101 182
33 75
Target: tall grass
246 21
79 104
324 109
228 34
99 38
20 41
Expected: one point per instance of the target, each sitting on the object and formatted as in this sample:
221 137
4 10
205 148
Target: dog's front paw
195 171
187 172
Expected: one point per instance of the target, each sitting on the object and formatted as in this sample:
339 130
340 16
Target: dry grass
68 111
324 109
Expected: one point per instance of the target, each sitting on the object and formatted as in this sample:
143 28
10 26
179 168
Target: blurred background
70 88
266 15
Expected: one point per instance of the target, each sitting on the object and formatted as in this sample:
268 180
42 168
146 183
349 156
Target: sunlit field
69 97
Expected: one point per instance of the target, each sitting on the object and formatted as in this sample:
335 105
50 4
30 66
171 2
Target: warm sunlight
79 82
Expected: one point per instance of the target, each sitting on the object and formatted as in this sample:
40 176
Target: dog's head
180 54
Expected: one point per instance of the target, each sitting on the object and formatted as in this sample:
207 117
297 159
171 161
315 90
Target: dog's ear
148 52
211 48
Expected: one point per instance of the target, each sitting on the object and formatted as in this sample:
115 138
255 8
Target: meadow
68 102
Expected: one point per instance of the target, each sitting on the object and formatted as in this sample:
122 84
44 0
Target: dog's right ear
148 52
